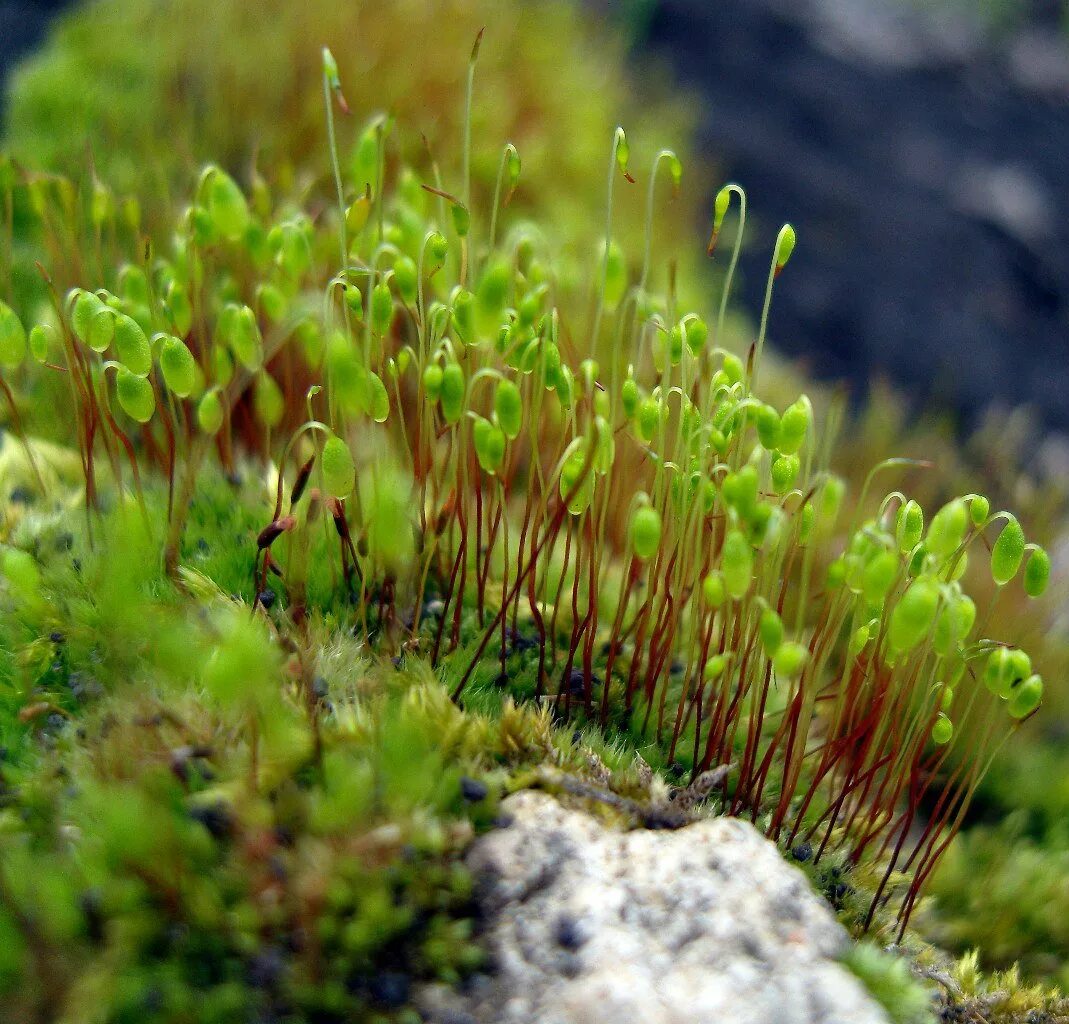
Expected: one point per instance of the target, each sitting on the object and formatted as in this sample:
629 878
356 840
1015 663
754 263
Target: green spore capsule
378 398
227 206
785 243
771 631
268 401
790 659
452 395
649 416
733 369
463 316
569 479
1026 697
508 406
713 590
101 329
714 667
339 472
909 525
947 529
979 509
740 491
999 672
859 640
432 382
489 441
914 615
12 337
178 366
954 623
736 564
697 335
942 730
565 387
785 470
381 308
491 294
135 395
243 336
43 339
210 412
275 305
1036 572
878 577
794 425
768 427
1007 552
645 531
404 275
132 346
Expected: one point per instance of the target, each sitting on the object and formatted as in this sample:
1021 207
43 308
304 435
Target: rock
590 925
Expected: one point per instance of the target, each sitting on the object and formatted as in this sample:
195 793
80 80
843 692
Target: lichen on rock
586 923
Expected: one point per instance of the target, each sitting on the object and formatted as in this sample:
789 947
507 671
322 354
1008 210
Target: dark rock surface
22 25
923 161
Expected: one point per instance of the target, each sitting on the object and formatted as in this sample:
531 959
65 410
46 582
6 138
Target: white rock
708 923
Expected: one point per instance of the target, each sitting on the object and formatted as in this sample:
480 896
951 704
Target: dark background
922 152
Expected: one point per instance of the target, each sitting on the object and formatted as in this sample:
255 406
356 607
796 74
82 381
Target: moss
889 981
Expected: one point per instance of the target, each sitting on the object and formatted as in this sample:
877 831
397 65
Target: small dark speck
802 852
266 598
57 637
568 934
473 790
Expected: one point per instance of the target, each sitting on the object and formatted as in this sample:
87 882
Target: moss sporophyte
601 514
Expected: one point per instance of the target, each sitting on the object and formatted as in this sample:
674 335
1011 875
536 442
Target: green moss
889 981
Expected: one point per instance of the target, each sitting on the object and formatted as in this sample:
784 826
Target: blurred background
921 148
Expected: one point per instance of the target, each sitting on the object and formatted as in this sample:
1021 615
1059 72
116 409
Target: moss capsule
452 393
771 631
1036 572
790 659
947 529
909 525
768 427
509 408
1007 552
914 615
942 730
489 441
736 563
1026 697
794 425
135 395
178 366
645 531
210 412
339 472
132 346
12 337
432 382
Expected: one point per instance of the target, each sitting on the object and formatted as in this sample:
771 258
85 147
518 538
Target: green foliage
888 979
